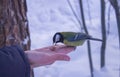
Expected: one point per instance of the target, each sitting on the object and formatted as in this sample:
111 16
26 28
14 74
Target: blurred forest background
104 32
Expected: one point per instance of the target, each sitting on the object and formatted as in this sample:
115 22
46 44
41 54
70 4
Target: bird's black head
58 37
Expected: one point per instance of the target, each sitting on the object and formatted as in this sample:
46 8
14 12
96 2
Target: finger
61 57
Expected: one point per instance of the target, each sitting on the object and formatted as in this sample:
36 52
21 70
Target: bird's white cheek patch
57 38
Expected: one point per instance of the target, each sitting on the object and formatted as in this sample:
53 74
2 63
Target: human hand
48 55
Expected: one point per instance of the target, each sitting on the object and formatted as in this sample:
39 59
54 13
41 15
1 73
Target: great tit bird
72 38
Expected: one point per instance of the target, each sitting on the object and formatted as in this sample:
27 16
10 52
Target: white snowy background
46 17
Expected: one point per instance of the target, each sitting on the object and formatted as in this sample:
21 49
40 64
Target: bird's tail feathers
95 39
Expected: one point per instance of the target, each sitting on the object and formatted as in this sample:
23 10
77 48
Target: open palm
48 55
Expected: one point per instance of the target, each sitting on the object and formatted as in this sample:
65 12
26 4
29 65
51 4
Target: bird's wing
79 36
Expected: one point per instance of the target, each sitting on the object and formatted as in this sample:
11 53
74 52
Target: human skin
48 55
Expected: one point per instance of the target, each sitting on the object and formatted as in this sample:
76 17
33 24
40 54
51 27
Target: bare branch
75 15
88 42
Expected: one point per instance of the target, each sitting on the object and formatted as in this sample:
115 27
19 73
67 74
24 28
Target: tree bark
14 24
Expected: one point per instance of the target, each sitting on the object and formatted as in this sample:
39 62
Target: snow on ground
46 17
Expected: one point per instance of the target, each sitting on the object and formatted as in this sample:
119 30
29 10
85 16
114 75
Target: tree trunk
14 24
103 28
